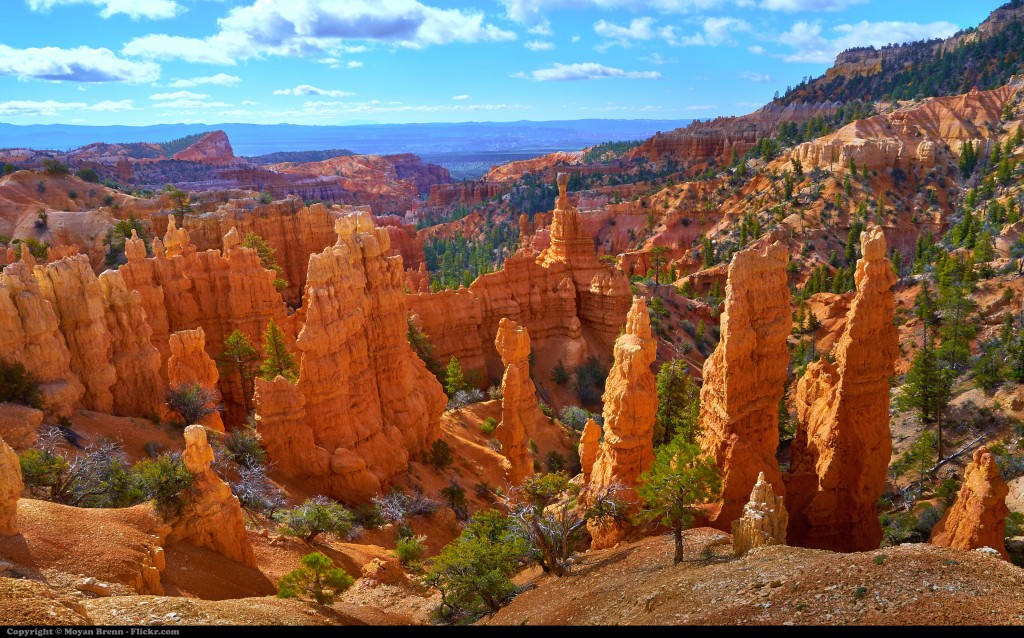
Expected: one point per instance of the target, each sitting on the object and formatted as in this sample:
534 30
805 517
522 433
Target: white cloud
179 95
534 12
810 45
464 96
585 71
354 64
83 64
538 45
320 27
182 105
375 106
543 28
575 39
214 50
714 32
47 108
306 89
221 79
808 5
656 58
756 49
134 9
753 76
638 29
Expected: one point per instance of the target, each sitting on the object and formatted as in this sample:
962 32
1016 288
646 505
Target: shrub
559 374
455 497
1014 524
316 516
88 175
576 417
165 479
318 578
396 506
410 549
488 425
18 385
555 462
463 398
531 445
546 409
368 516
590 377
43 219
54 167
255 491
73 194
193 402
440 455
244 446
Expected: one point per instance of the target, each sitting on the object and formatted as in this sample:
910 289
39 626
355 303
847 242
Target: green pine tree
277 360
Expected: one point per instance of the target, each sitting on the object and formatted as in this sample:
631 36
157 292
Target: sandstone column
189 364
744 379
763 522
10 489
519 410
843 444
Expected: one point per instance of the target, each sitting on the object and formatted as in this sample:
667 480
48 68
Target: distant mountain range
466 144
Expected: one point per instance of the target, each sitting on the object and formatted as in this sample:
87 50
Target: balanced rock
978 517
841 452
520 412
763 522
211 515
744 378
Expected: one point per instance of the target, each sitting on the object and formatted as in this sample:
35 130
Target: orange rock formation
630 403
590 441
190 364
843 444
10 489
30 334
219 291
763 522
520 412
19 425
978 517
211 516
367 400
744 377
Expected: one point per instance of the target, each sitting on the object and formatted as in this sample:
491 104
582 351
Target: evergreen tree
266 254
678 404
454 379
968 159
277 360
239 357
679 481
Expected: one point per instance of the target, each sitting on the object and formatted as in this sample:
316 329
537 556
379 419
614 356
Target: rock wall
763 522
30 334
10 489
978 517
368 400
211 516
744 378
295 232
74 292
190 364
182 289
842 448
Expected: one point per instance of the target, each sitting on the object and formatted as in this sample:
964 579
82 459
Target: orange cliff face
219 291
978 517
842 448
190 364
912 137
292 229
364 403
571 304
744 379
87 338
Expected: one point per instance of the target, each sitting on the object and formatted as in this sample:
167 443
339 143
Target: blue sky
141 62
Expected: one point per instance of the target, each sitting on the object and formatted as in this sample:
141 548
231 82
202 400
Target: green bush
18 385
489 425
317 516
559 374
440 455
318 579
88 175
165 479
410 549
245 449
